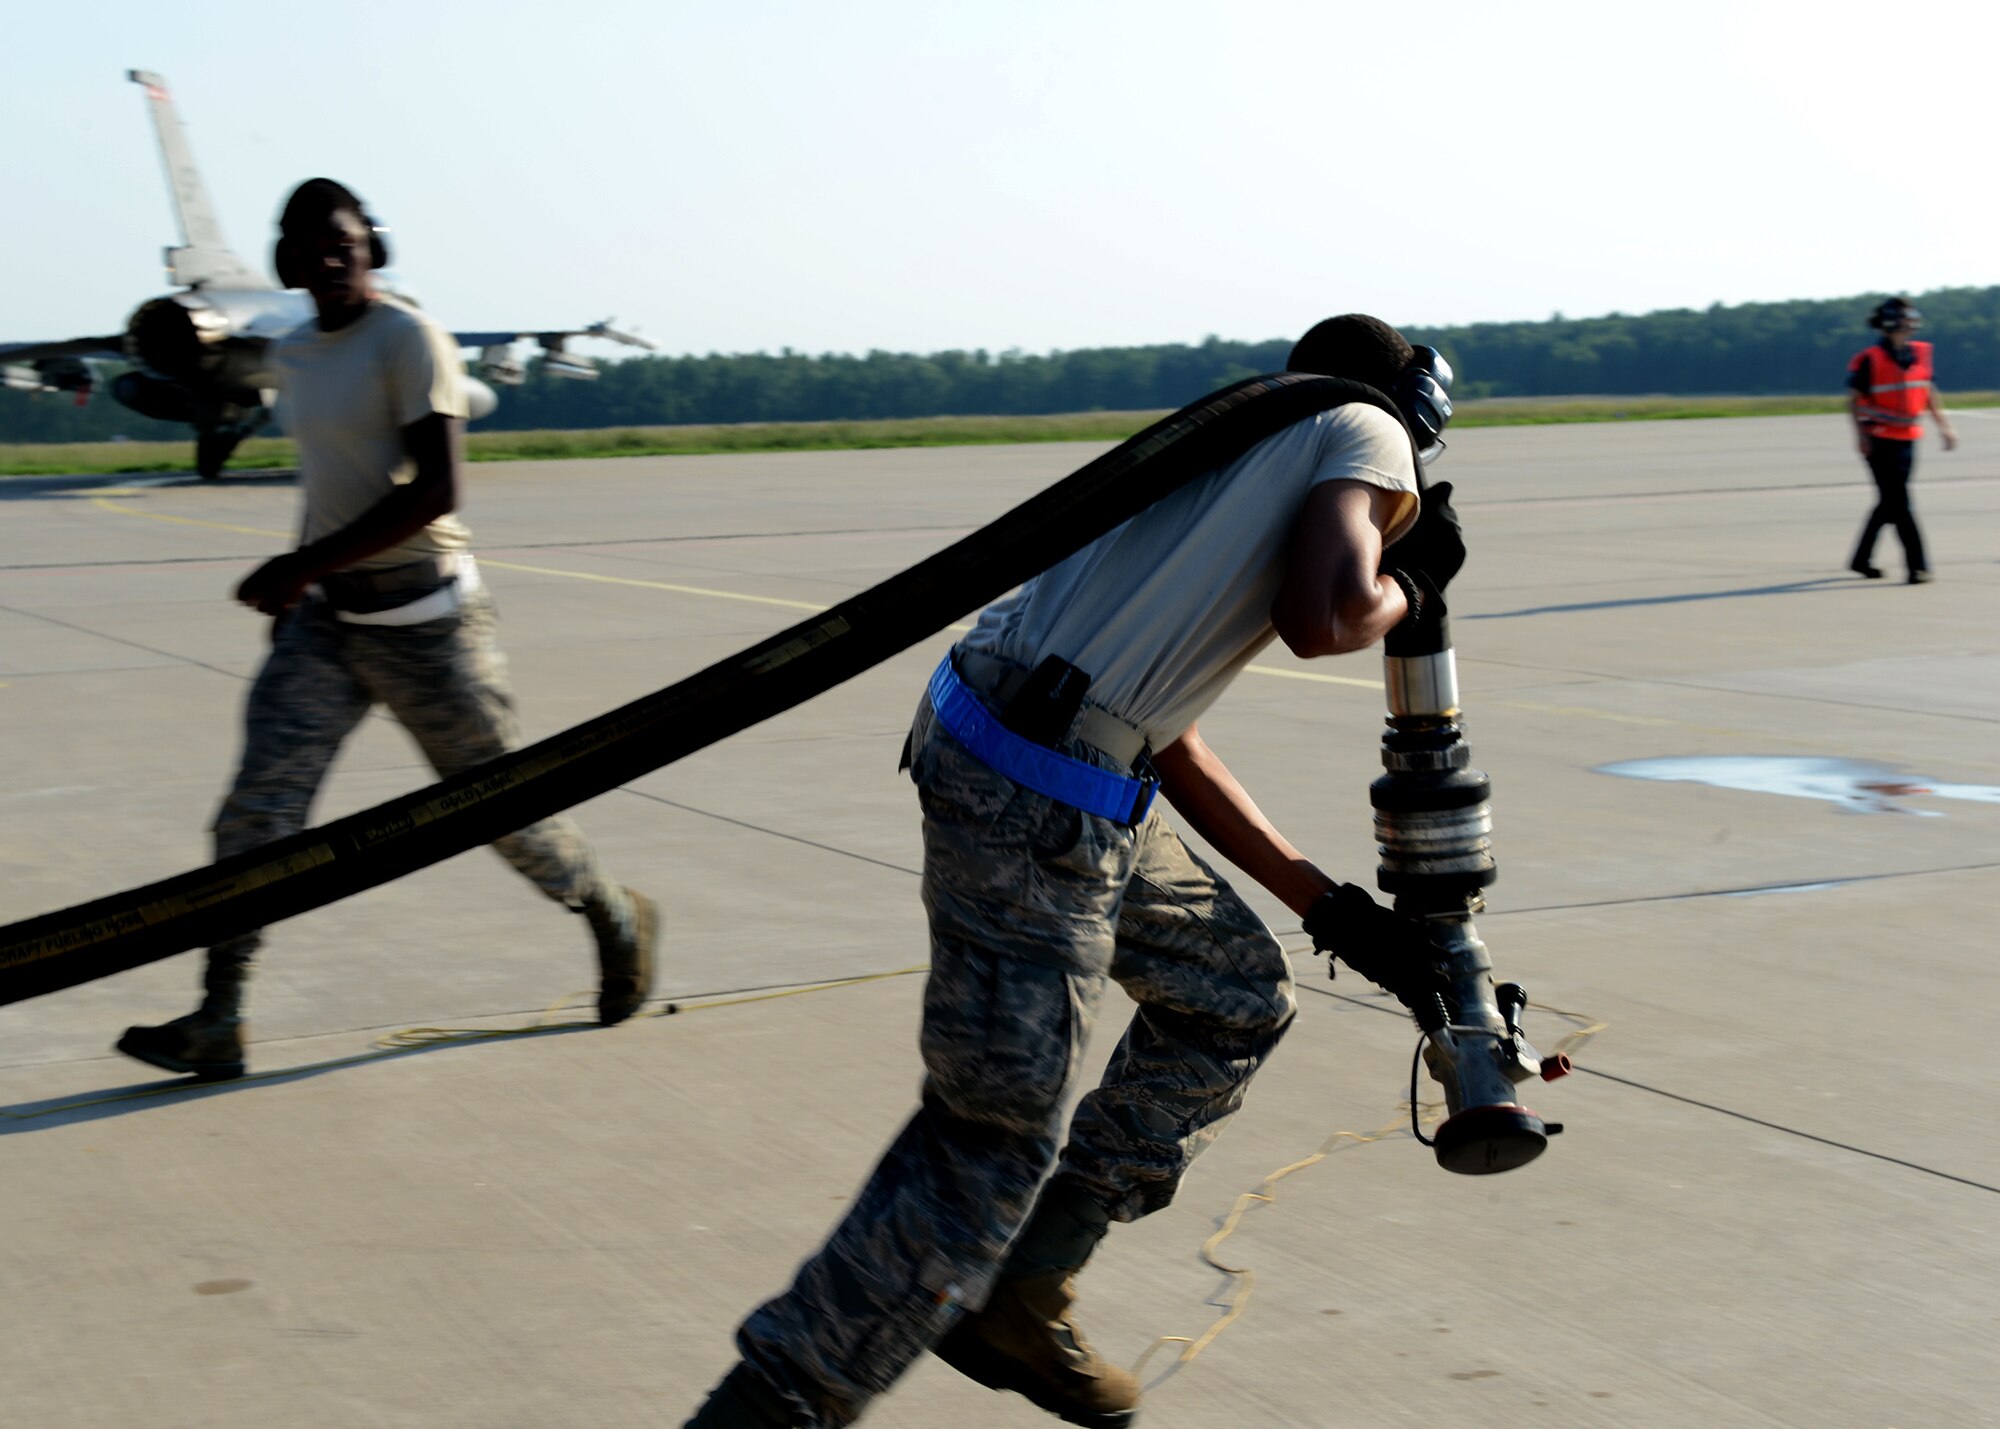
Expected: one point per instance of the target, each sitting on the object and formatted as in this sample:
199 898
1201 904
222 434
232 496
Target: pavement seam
1398 1012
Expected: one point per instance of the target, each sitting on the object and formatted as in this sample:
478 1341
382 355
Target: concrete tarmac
1776 1203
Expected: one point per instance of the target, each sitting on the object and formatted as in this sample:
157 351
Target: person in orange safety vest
1891 390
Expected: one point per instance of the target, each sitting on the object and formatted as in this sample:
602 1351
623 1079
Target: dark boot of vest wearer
627 926
744 1400
1026 1339
208 1042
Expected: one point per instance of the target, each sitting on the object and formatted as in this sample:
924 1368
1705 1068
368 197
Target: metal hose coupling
1433 828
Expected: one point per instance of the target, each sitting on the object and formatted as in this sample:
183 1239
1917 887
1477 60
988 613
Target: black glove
1382 945
1429 555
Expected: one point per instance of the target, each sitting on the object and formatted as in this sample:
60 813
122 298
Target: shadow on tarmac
52 1112
1789 588
29 488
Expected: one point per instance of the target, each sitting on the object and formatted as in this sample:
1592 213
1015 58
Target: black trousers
1890 462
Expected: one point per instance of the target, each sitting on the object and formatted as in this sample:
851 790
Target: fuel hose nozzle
1434 824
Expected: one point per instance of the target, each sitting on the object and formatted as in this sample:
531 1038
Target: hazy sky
736 175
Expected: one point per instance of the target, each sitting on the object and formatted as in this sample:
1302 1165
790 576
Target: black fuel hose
321 865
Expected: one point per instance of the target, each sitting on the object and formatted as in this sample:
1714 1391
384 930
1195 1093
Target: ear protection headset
1894 313
284 255
1423 395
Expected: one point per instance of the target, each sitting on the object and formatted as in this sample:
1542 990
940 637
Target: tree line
1745 348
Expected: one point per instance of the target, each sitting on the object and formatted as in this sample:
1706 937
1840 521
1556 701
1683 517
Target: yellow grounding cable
1236 1294
1242 1278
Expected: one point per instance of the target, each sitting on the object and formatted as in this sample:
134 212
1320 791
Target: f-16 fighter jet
196 355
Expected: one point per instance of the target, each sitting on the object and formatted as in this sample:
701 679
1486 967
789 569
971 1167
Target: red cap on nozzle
1553 1067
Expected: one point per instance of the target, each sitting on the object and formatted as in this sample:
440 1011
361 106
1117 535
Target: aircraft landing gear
226 425
212 450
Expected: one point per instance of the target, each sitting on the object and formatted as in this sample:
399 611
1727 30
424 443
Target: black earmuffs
1894 313
1423 395
283 255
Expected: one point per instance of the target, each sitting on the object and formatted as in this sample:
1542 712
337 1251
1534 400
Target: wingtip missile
609 333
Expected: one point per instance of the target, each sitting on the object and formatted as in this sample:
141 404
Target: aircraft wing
496 365
56 366
110 348
552 341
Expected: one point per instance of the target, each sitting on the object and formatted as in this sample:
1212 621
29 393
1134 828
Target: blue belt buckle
1142 802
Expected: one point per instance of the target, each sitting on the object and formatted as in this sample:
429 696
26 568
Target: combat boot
205 1043
1026 1340
208 1042
627 926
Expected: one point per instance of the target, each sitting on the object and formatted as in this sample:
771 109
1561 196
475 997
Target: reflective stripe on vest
1897 395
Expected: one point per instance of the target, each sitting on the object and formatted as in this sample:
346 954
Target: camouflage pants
1033 905
444 680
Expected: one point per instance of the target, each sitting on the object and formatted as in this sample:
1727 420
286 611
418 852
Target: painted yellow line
1576 711
110 505
1313 676
1664 722
1273 671
711 593
669 586
1584 713
655 585
494 565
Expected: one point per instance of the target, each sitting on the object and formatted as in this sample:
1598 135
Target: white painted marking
1855 785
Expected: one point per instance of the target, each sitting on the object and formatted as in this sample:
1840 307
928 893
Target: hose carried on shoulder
321 865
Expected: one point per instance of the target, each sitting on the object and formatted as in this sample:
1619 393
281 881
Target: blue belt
1068 781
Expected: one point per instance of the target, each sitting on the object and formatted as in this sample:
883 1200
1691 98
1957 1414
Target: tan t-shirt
1165 610
346 396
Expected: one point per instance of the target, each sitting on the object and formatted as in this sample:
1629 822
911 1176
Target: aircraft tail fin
204 259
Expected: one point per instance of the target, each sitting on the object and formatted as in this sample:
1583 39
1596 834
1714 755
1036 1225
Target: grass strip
114 458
